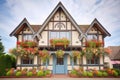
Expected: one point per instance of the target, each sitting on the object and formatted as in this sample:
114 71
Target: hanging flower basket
59 42
44 55
24 52
76 54
88 52
59 53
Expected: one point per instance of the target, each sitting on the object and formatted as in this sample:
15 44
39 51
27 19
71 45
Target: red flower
18 42
107 50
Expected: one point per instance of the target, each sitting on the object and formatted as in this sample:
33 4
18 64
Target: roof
115 52
95 21
60 5
36 27
84 28
24 21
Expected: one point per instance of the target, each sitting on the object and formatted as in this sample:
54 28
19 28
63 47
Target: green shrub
105 74
84 74
8 73
6 62
46 72
40 73
89 74
18 74
118 71
115 73
29 74
74 72
99 74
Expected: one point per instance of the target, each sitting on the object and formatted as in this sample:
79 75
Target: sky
12 13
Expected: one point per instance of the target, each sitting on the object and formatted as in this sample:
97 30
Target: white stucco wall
43 41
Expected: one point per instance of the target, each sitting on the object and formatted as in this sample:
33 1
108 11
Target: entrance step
60 76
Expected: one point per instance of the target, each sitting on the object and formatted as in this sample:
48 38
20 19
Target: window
75 61
116 66
59 35
94 60
27 37
92 36
26 60
60 61
47 62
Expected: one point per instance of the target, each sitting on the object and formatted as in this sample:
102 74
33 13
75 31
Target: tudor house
60 24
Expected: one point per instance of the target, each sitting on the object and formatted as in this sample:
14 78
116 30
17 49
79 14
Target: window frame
89 61
27 36
59 33
30 61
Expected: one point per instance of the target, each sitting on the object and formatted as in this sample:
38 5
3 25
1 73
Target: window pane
60 61
62 35
90 37
59 35
27 61
75 61
94 60
27 37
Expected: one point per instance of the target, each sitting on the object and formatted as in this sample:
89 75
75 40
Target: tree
6 62
1 47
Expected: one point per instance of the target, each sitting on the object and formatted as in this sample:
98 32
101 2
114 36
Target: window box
27 44
59 42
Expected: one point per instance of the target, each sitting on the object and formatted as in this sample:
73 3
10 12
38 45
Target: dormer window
27 37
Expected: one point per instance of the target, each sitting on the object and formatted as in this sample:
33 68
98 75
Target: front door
60 65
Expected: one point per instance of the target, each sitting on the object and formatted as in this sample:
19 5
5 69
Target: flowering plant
94 48
26 52
59 53
27 43
76 54
94 43
59 42
44 55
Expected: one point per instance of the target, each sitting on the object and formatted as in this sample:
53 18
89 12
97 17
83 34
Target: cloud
36 11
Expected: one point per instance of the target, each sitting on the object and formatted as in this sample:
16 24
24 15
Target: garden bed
47 76
93 73
27 73
73 76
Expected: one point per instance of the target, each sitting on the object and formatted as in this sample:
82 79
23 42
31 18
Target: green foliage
46 72
76 54
74 72
105 74
115 73
99 74
8 73
84 74
118 71
7 62
89 53
18 74
1 48
59 53
29 74
40 73
90 74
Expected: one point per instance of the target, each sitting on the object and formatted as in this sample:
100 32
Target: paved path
59 78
